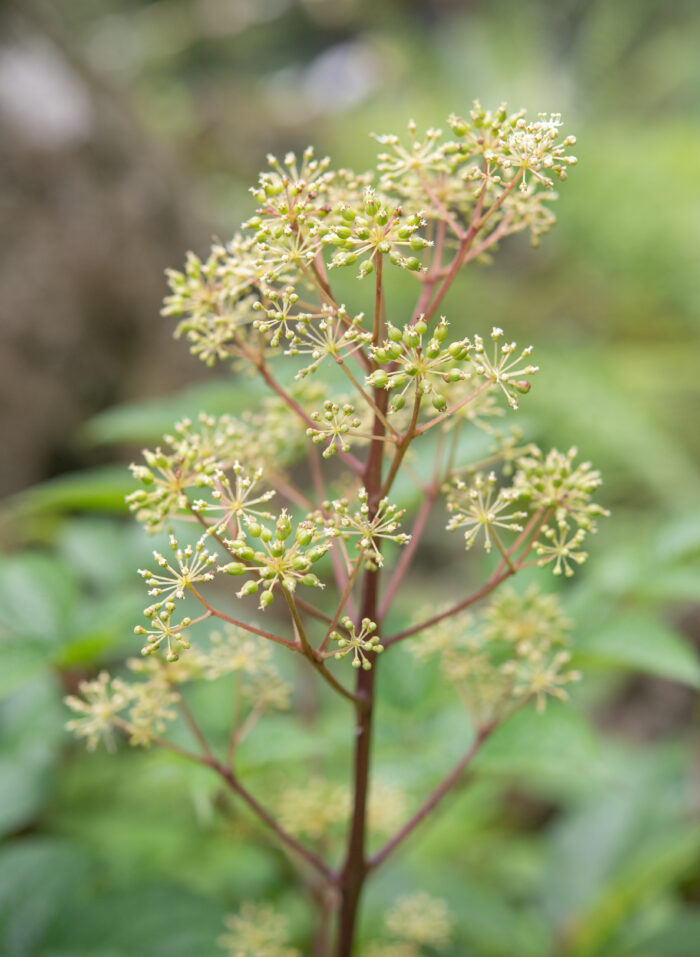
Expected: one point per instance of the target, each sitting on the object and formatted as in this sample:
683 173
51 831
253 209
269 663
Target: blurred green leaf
150 920
39 877
148 421
556 747
639 642
659 863
99 490
38 594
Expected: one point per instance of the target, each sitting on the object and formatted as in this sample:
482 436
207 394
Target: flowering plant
296 501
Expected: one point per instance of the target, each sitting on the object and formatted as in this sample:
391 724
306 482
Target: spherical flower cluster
516 649
280 557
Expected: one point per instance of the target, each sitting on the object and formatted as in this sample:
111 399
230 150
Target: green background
580 836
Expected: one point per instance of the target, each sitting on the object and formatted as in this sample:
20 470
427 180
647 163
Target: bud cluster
516 649
280 556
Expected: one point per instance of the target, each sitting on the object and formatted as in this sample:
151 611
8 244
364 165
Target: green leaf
639 642
31 730
94 490
147 421
162 920
556 747
659 863
37 596
38 878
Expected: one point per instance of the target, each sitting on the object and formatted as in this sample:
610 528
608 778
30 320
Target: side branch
309 856
409 551
493 582
316 660
437 795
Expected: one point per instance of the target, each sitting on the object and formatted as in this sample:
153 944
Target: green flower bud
433 349
439 402
311 580
378 379
265 534
304 535
411 337
381 218
441 331
284 528
266 598
412 263
316 553
250 588
398 402
235 568
278 548
457 350
245 553
254 529
393 333
301 563
522 385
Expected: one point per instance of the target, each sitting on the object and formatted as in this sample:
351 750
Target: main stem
355 868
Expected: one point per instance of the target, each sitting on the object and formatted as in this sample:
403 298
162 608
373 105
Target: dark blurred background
129 133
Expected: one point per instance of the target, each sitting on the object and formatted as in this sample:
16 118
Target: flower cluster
343 522
257 930
360 643
504 369
560 491
415 921
334 426
515 650
196 457
375 228
480 508
425 368
320 808
280 557
143 707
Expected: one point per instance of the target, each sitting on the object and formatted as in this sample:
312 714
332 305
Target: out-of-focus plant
265 301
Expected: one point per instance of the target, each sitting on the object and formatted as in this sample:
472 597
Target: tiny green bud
249 588
378 379
245 553
254 529
393 333
439 402
235 568
284 527
412 263
266 598
522 385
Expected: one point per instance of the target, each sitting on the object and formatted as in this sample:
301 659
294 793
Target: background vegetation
130 132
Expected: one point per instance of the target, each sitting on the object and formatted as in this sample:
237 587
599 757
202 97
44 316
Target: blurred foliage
580 834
